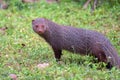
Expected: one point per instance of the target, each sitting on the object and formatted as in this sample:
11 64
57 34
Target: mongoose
77 40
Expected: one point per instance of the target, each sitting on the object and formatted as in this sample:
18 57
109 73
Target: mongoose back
77 40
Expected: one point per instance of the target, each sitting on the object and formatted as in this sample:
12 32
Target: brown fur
76 40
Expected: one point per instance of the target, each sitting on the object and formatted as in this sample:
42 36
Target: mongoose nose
40 31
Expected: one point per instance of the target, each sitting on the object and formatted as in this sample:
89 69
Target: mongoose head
39 25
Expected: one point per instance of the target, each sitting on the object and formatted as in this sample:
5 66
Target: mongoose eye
36 26
42 26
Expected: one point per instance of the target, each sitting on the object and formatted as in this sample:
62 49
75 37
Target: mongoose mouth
40 31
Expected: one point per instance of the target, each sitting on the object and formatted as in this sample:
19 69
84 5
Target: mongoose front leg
57 54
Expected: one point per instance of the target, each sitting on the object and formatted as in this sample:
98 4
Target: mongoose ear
33 20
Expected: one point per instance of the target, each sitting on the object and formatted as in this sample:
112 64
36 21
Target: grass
21 50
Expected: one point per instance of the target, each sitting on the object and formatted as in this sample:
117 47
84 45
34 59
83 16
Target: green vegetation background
21 50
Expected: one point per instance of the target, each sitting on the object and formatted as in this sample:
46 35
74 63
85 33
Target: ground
26 55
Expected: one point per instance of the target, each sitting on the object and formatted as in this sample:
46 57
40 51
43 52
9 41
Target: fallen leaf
3 29
23 45
13 76
88 79
43 65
